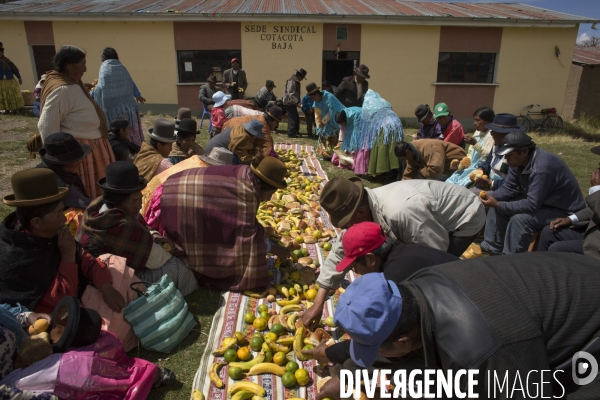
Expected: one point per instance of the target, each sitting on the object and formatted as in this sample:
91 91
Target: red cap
234 59
359 240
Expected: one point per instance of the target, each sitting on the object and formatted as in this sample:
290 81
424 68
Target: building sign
281 37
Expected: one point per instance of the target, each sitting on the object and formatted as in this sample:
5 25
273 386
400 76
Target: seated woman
122 147
113 224
245 141
40 262
152 158
186 145
481 146
215 222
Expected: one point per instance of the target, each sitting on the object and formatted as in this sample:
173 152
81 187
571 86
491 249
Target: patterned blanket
229 318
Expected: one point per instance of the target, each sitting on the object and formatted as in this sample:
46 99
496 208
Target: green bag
160 316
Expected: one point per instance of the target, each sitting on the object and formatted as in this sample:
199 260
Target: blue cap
255 128
368 311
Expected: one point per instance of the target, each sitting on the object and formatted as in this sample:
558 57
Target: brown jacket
243 144
147 160
435 157
268 140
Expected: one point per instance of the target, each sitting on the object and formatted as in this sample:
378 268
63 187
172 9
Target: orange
302 377
311 294
243 353
260 324
279 358
241 339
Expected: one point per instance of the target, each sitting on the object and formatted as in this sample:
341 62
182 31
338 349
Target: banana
258 398
298 288
290 308
276 347
282 290
219 352
291 321
266 368
213 374
299 343
285 340
255 295
243 395
245 366
197 395
294 300
246 386
307 341
341 290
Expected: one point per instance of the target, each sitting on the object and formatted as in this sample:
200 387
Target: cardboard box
27 97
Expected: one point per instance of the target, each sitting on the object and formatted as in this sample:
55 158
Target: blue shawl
352 123
115 86
378 124
329 106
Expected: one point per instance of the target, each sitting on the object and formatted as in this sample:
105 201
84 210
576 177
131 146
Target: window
466 67
197 65
341 32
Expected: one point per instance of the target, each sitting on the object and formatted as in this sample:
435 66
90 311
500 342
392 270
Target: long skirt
10 95
93 167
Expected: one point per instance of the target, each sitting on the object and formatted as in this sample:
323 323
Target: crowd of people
103 196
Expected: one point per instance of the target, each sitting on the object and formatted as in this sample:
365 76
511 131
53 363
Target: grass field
573 146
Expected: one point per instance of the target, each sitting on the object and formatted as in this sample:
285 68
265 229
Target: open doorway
43 57
334 70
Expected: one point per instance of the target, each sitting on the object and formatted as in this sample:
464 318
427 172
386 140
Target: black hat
275 112
422 112
514 140
312 88
63 148
505 123
183 113
362 70
73 326
122 177
270 83
188 125
163 131
261 102
212 78
302 72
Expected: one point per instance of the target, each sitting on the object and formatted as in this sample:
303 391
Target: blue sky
585 8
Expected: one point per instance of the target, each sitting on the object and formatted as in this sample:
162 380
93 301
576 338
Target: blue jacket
8 69
546 181
431 131
307 103
486 167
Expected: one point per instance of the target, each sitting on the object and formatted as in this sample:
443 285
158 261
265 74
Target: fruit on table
228 343
293 300
288 379
272 336
260 324
330 322
266 368
235 373
263 308
246 385
230 355
213 374
292 366
242 395
246 366
243 353
268 356
311 294
265 315
240 337
249 317
299 343
278 330
270 298
256 343
197 395
279 358
302 377
327 246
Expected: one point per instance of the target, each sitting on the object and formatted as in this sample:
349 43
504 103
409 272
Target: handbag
160 317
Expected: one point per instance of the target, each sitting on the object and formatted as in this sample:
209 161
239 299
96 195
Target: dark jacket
76 197
346 92
291 93
545 181
228 78
431 131
205 95
591 237
124 149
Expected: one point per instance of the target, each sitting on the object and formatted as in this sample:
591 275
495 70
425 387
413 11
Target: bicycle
552 123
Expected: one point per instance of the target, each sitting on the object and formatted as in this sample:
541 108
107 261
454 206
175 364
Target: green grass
572 146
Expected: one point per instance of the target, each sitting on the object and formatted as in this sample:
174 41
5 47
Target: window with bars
455 67
341 32
195 66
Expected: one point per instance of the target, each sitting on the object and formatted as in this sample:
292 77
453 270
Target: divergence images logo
585 368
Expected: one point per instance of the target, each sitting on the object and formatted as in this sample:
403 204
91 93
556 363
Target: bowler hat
505 123
514 140
362 70
163 131
302 72
212 78
218 156
272 171
422 112
73 326
63 148
183 113
270 83
312 88
34 187
220 98
187 125
122 177
261 102
340 198
254 128
275 112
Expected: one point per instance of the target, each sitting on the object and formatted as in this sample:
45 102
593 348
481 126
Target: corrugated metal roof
587 55
300 8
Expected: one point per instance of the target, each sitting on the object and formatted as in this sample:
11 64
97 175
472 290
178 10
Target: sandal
164 377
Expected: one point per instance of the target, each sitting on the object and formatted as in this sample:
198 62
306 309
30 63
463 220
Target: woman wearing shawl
481 146
348 120
326 106
68 107
116 93
378 131
10 92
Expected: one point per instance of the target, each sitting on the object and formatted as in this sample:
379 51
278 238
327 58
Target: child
118 137
217 114
309 114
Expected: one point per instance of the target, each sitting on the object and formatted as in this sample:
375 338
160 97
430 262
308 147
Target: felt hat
218 156
261 102
187 125
254 128
220 98
63 148
302 72
34 187
73 326
183 113
422 111
272 171
163 131
275 112
211 78
340 198
122 177
505 123
270 83
312 88
362 70
441 110
359 240
514 140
